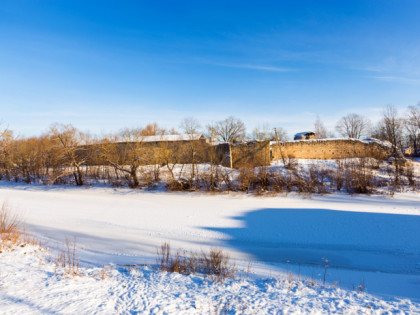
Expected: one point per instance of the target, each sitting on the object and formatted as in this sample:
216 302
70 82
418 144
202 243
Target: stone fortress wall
327 149
249 154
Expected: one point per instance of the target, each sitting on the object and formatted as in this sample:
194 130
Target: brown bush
358 178
180 185
215 264
246 178
262 180
211 181
276 181
226 177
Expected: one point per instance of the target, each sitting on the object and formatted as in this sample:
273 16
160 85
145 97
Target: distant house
306 135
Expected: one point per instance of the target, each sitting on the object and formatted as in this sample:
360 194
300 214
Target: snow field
371 240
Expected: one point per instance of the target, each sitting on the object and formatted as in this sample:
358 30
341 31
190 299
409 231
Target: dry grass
104 273
215 264
67 263
362 286
67 259
164 256
9 223
11 229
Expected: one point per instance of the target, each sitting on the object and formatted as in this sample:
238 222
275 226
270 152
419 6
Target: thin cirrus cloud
398 79
57 114
254 67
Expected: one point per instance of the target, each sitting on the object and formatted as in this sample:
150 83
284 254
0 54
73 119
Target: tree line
65 154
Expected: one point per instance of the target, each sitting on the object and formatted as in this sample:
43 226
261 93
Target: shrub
408 172
276 181
226 178
150 177
210 180
358 177
291 163
261 180
246 178
215 264
11 230
179 185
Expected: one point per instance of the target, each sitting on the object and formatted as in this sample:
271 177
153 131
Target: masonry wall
244 155
327 149
250 154
123 153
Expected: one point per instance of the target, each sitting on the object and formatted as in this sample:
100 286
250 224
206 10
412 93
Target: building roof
172 138
304 133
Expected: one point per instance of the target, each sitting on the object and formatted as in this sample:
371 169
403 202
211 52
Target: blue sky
105 65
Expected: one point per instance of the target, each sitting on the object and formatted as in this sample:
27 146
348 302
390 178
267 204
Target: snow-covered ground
31 285
371 240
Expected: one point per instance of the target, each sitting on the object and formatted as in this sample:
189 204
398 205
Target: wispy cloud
57 114
255 67
398 79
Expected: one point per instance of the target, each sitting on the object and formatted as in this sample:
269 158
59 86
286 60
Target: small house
306 135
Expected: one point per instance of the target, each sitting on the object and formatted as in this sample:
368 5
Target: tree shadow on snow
349 240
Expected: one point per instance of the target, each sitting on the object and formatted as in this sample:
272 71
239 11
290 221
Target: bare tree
320 129
170 156
133 134
262 132
279 134
123 153
391 126
173 131
191 127
412 125
230 130
214 175
69 140
152 129
26 154
5 154
265 132
352 126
